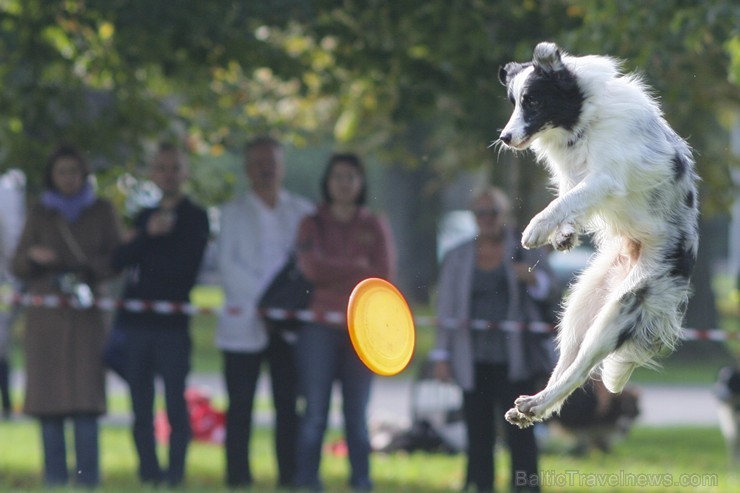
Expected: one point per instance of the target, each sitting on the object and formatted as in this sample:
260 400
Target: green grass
683 373
647 453
206 357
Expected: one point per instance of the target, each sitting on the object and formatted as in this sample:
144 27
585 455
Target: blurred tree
109 75
412 84
418 83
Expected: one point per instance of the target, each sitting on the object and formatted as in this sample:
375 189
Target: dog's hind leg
581 307
598 342
650 325
606 334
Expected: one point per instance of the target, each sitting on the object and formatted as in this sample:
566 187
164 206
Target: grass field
649 460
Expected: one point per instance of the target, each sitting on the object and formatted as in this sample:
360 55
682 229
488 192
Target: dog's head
545 95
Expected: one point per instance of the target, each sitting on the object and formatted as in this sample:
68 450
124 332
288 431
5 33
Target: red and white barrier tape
168 307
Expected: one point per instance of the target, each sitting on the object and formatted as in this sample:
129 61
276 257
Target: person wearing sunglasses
489 280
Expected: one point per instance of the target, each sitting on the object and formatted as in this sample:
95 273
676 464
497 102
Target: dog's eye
528 102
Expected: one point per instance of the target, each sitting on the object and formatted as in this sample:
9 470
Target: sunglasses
486 212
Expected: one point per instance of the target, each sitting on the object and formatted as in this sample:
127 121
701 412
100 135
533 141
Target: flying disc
381 326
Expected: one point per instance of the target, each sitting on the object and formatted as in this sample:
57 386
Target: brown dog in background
595 418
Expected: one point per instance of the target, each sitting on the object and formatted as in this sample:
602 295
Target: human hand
160 223
42 255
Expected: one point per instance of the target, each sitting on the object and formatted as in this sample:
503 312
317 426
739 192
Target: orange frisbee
381 326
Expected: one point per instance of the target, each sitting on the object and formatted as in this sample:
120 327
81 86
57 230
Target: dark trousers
241 373
484 408
5 387
164 352
87 470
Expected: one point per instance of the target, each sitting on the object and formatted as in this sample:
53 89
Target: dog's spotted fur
625 176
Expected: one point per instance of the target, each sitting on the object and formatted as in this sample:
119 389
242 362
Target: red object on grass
208 424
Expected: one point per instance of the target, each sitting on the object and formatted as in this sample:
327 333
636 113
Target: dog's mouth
507 140
519 146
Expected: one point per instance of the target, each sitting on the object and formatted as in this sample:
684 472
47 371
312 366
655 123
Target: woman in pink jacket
342 244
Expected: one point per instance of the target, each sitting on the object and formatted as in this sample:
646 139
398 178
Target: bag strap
71 242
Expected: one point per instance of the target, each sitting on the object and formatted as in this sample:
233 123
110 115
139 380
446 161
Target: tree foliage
110 75
412 82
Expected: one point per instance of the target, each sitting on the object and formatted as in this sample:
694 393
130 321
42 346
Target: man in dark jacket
162 258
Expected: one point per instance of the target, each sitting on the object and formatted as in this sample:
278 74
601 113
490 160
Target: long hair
64 151
349 159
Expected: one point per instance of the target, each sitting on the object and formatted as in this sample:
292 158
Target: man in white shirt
258 231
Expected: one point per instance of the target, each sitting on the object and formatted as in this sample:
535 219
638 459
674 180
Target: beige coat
63 346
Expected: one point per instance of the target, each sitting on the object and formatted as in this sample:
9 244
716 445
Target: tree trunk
413 220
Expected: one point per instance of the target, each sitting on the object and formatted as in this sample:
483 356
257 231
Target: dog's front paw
565 237
536 233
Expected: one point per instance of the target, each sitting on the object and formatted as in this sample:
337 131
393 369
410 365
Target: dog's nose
505 138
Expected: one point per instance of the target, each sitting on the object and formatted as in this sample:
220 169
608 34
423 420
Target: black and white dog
623 175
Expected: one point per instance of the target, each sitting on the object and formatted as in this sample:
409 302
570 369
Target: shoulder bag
288 292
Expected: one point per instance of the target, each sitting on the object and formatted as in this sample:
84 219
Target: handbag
289 290
72 283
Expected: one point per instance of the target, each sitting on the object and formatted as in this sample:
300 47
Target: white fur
616 179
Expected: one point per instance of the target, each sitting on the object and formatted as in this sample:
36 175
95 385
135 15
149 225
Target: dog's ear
547 58
502 75
509 71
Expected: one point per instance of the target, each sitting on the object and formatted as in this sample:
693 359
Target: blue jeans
86 450
325 354
164 352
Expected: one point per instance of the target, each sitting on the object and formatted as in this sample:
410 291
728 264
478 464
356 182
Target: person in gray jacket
490 278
